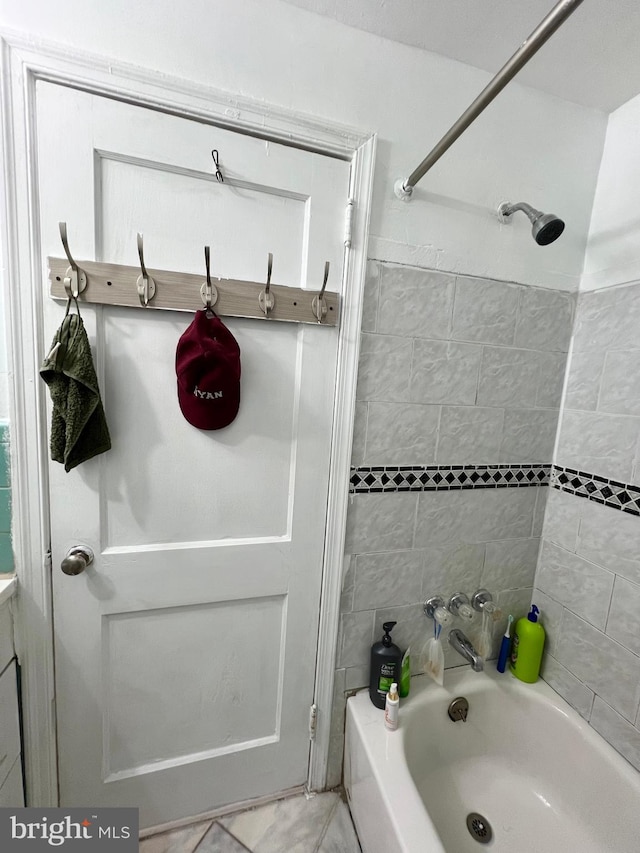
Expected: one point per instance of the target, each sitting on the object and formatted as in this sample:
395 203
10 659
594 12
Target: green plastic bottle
405 674
527 646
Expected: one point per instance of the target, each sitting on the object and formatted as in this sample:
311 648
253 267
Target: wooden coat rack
136 287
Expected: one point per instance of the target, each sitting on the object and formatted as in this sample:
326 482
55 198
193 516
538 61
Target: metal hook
75 279
266 299
219 175
145 284
319 305
269 269
208 291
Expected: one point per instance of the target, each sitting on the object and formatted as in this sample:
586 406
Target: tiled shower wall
589 572
454 371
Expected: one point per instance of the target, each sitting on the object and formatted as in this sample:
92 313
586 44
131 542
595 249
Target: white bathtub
525 760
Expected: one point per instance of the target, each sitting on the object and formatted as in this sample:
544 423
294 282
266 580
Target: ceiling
593 59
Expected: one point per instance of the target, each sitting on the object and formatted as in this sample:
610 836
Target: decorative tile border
611 493
432 478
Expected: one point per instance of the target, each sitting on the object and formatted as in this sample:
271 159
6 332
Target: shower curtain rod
556 17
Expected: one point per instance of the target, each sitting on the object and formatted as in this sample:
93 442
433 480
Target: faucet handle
432 604
459 606
483 602
442 616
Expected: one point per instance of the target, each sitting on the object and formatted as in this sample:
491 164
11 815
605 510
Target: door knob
77 560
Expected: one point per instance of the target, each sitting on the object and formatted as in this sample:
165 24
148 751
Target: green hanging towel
78 425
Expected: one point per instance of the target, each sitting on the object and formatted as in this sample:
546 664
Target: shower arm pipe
547 27
509 209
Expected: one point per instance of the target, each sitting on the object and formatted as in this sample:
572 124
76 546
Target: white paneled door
185 654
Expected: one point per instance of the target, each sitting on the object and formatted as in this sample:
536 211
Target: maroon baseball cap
208 371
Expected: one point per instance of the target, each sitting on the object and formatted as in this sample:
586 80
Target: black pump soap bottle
386 660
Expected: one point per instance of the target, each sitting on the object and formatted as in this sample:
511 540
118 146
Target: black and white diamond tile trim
608 492
431 478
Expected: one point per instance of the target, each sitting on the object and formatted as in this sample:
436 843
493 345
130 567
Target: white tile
508 377
184 840
469 435
401 434
348 583
610 538
544 319
474 515
573 691
371 296
608 318
585 443
383 580
218 840
356 677
621 735
510 564
451 568
294 825
381 522
445 372
485 311
415 302
583 381
528 435
623 623
552 366
605 666
516 602
359 434
383 371
542 495
562 519
355 638
340 836
575 583
635 476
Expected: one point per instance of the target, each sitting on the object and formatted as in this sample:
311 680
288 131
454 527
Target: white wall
526 146
613 251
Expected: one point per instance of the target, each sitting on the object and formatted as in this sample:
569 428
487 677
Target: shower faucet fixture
545 227
483 602
459 605
435 608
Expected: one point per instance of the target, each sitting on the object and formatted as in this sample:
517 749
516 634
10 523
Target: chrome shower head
545 227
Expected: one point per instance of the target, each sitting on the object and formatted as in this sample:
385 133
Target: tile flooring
300 824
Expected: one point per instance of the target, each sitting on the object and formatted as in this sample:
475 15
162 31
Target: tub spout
462 645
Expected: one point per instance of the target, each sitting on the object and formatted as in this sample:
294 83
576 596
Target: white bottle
391 708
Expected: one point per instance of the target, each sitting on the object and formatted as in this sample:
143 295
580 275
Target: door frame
24 62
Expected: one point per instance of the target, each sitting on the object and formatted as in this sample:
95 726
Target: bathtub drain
479 827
